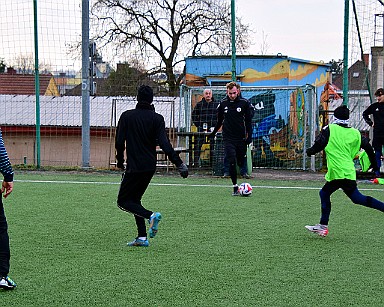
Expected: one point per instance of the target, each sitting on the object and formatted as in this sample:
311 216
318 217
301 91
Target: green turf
68 243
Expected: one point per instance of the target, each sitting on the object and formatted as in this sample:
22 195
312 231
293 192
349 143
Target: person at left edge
138 133
6 188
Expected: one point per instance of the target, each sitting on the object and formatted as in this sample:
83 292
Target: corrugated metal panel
66 111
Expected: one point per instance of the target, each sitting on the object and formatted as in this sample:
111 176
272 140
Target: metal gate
284 124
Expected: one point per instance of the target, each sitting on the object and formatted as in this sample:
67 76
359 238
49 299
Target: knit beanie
145 94
341 113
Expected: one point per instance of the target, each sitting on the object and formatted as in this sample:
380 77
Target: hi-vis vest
343 146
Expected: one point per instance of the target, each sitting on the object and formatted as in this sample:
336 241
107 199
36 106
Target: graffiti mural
265 127
274 86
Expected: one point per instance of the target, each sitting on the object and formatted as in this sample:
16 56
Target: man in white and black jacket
234 113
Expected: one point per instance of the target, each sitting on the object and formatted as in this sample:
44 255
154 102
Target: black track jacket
377 110
205 112
235 117
139 131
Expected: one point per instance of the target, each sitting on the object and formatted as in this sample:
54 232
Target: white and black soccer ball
245 189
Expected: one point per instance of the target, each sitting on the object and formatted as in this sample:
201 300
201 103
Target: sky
311 30
304 29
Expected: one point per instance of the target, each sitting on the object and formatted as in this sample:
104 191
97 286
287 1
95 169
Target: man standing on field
377 111
138 133
234 113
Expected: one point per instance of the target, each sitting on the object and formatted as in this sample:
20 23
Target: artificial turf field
68 245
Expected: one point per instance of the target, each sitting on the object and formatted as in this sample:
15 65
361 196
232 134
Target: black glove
309 153
120 165
183 170
248 141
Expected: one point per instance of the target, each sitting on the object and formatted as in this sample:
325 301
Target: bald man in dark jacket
138 133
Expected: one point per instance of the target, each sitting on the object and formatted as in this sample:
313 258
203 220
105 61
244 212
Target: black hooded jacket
377 110
205 112
139 131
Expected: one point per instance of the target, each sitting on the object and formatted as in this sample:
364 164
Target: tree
125 80
164 32
337 67
25 64
2 66
264 46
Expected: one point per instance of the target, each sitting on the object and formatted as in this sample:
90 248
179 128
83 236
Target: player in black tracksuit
234 114
138 133
377 110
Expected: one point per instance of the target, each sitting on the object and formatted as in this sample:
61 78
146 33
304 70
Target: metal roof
67 110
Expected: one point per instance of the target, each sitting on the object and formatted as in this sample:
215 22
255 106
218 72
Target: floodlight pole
345 60
85 103
233 35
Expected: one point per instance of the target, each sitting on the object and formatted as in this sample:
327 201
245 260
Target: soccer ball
245 189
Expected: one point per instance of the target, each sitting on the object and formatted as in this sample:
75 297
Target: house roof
18 84
20 110
357 77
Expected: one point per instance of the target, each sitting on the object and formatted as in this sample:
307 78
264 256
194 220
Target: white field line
183 185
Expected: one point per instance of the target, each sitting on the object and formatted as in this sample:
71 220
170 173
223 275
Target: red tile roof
17 84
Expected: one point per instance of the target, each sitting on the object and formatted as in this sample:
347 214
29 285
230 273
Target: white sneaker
7 283
321 230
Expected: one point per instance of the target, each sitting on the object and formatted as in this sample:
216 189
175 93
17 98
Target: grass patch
68 244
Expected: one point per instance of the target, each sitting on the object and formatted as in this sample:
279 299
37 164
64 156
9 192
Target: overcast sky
311 30
305 29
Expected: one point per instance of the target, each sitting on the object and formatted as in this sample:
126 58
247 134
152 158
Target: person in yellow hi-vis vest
341 144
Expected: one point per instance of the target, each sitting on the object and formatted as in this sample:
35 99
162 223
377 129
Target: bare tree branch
164 32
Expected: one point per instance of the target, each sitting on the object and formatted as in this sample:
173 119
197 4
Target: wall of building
61 147
59 151
377 68
256 71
